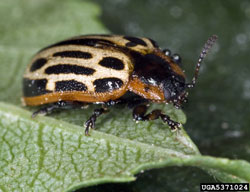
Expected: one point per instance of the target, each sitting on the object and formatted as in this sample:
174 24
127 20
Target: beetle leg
90 123
58 105
140 111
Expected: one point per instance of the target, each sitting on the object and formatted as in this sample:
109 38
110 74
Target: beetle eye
167 52
167 94
176 58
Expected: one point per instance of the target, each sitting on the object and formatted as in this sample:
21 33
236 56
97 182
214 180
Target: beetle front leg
90 123
140 111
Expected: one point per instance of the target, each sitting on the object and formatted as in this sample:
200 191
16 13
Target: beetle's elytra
100 69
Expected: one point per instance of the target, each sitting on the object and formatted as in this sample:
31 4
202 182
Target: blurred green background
218 112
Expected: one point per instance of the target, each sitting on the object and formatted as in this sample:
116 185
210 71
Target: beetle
102 69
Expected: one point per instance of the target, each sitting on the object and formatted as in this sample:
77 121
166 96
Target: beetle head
174 88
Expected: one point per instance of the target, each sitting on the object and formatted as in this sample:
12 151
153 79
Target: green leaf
44 153
52 153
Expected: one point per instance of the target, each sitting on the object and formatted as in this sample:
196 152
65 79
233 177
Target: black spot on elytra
86 42
37 64
67 68
133 41
153 43
73 54
107 84
34 87
112 62
70 85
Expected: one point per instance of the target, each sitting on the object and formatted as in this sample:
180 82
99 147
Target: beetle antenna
208 45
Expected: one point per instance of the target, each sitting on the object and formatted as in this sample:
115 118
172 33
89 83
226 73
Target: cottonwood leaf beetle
100 69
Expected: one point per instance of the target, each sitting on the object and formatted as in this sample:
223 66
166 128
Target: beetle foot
90 123
172 124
